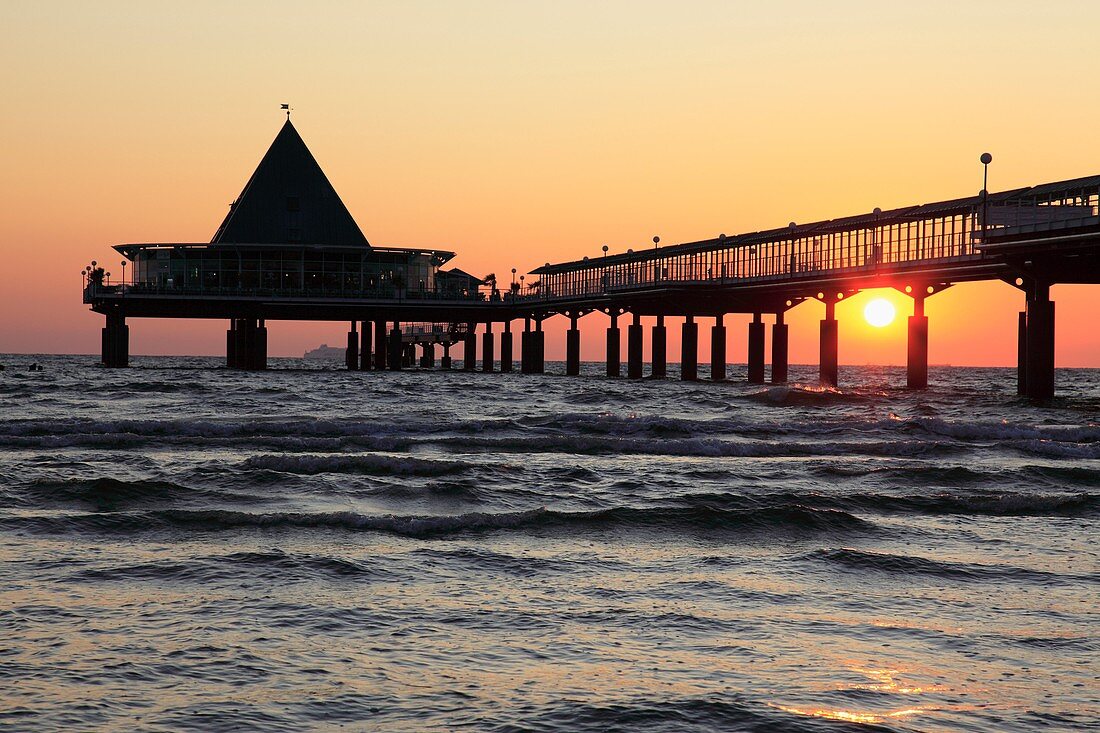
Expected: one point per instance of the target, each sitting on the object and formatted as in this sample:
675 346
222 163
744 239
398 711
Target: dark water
187 548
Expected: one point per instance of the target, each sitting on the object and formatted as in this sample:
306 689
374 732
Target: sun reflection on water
852 717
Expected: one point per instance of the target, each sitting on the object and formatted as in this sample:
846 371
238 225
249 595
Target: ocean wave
274 565
551 443
108 494
729 713
973 503
913 565
700 447
1003 430
597 428
798 395
958 475
788 519
371 465
1055 449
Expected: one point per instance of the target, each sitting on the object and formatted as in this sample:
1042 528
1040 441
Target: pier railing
929 234
95 290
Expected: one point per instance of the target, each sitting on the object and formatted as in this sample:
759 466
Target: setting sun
879 312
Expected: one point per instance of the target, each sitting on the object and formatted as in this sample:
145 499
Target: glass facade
286 270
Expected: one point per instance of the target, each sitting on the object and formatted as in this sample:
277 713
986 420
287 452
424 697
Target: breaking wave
791 520
913 565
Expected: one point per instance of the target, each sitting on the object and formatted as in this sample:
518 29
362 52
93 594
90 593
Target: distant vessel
324 351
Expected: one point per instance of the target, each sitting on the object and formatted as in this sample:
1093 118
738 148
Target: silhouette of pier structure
289 250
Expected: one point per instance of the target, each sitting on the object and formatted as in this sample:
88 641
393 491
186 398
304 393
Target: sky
516 133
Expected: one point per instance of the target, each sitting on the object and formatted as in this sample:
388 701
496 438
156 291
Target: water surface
184 547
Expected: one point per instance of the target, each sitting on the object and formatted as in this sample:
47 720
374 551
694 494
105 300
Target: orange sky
516 133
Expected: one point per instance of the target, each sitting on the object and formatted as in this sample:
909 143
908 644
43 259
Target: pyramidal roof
289 199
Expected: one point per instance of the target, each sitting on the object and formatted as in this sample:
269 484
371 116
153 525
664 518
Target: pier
289 250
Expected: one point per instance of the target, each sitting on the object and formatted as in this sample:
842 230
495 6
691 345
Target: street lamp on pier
986 159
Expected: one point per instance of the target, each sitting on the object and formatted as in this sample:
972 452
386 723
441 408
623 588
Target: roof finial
287 108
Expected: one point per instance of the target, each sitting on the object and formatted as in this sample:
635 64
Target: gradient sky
516 133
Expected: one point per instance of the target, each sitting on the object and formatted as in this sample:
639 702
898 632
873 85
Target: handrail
931 234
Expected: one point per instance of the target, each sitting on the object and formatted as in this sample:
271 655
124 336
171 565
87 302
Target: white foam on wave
359 464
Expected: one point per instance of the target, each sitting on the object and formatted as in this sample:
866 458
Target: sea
185 547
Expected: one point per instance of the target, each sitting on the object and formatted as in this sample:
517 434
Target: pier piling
380 345
634 348
660 348
718 349
469 348
351 354
829 341
1040 344
756 350
539 341
115 351
916 363
573 348
779 350
506 348
395 351
487 348
689 350
365 340
614 367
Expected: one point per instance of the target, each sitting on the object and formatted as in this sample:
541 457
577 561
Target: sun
879 312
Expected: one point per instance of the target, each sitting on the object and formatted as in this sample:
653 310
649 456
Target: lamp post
124 272
875 256
986 159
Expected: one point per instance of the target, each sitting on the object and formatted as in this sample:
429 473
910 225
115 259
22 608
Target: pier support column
409 351
488 357
614 363
351 355
525 357
756 350
115 351
573 348
538 340
469 348
660 348
231 345
395 353
380 345
1021 355
246 344
506 348
365 343
779 350
428 360
258 348
916 363
829 341
1040 344
634 348
689 350
241 343
445 360
718 349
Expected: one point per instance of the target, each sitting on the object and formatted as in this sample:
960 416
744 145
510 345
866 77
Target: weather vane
287 108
